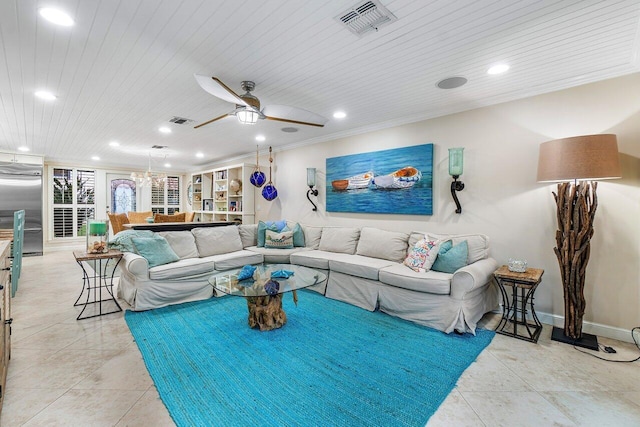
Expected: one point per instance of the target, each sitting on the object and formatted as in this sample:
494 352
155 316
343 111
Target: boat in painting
402 178
353 183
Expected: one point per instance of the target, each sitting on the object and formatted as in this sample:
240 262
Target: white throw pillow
423 254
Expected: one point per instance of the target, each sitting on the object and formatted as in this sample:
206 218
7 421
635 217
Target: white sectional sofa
364 268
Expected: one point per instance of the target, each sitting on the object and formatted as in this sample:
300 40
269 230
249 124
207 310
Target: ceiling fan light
247 117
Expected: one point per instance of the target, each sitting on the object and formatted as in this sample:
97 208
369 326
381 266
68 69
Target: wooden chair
139 217
118 221
179 217
189 216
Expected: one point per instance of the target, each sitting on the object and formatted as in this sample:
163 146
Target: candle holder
97 236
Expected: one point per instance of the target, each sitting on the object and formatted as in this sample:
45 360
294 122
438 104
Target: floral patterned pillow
422 255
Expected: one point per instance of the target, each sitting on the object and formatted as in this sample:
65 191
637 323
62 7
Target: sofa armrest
136 265
472 276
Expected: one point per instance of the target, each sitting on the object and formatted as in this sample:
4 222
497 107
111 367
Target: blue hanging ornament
269 191
257 178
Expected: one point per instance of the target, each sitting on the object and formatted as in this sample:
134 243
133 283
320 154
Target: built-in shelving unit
224 194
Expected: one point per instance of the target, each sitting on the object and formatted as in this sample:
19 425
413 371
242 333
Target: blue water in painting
416 200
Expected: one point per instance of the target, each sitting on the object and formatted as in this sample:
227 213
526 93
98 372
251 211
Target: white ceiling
127 67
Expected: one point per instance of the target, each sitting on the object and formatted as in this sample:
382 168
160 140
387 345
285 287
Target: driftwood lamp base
586 340
266 312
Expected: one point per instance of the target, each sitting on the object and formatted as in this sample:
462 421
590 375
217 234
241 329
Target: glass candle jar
97 236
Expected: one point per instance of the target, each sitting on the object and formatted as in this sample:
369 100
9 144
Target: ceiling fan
248 106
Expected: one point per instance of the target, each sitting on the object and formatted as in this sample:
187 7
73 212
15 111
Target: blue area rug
331 364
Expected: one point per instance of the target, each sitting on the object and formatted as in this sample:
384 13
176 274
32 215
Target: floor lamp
576 163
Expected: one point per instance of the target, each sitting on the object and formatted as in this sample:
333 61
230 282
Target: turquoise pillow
298 236
280 225
451 258
262 228
122 240
155 250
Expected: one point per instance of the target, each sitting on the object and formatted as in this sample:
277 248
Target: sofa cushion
376 243
182 242
478 244
217 240
155 250
189 267
314 258
248 234
359 266
432 282
278 240
312 236
237 259
276 256
451 257
339 239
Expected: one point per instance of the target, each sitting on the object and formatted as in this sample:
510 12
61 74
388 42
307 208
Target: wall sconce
455 170
311 182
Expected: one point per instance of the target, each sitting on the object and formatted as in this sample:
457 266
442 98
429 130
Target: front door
123 196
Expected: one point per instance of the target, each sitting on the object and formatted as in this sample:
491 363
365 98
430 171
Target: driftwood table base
266 312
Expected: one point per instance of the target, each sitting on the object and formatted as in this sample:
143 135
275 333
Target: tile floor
65 372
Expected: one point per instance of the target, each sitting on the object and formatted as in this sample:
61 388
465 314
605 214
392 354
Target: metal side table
94 283
516 308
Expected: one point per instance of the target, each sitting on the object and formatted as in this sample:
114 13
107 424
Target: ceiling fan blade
211 121
286 113
218 89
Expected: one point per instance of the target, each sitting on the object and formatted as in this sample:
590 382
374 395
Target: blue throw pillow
280 225
155 250
262 228
298 236
451 258
122 240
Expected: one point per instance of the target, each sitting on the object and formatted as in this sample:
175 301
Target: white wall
501 197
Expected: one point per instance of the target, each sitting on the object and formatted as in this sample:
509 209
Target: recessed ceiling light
498 69
43 94
164 130
56 16
289 130
95 158
114 144
23 148
260 138
199 155
167 165
339 115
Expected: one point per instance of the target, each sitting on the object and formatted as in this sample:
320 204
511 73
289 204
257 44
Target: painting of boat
402 178
355 182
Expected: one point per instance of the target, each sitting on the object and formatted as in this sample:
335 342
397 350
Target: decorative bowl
149 219
517 265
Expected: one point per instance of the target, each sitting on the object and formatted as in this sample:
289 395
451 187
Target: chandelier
149 177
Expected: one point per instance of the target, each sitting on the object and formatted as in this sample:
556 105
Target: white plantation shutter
73 200
165 196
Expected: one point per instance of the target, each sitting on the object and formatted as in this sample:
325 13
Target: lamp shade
456 161
247 117
311 177
587 157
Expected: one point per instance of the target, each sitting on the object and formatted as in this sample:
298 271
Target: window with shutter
165 196
73 201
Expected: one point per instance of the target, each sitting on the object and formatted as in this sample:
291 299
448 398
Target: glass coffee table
265 302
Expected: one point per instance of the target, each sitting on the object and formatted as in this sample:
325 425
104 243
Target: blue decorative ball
272 287
269 192
258 179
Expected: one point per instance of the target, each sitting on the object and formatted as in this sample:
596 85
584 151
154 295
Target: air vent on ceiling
159 147
180 120
366 17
